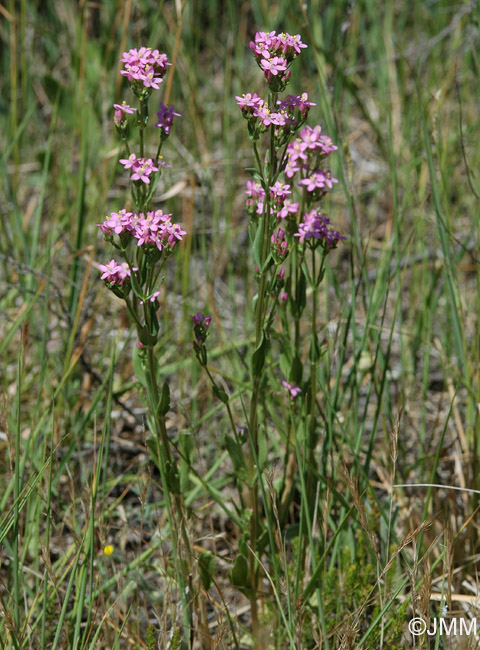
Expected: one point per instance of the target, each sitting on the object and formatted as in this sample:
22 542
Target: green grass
396 86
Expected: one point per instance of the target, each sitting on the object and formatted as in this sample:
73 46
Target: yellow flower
108 550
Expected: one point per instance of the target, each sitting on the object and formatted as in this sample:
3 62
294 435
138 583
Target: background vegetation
396 86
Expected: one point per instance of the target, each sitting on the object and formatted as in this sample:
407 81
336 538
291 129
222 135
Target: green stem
260 315
141 125
313 382
166 463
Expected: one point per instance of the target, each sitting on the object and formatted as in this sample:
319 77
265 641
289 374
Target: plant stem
166 464
260 315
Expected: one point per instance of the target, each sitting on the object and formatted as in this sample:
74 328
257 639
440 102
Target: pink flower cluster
142 168
304 152
317 226
266 46
153 229
291 110
144 67
280 205
274 53
115 273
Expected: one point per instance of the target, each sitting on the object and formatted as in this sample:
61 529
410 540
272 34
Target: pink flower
248 102
142 169
326 145
279 191
150 80
311 137
109 271
130 161
121 111
152 298
273 65
287 208
318 180
114 273
266 117
292 388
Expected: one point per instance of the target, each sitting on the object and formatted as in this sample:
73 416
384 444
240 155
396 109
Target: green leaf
285 364
262 449
239 575
306 273
153 447
296 371
254 173
154 319
258 246
298 305
236 456
137 289
164 404
138 367
258 357
221 394
206 568
186 444
268 263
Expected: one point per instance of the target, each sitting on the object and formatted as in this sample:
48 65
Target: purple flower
317 226
165 116
292 388
201 324
200 319
296 101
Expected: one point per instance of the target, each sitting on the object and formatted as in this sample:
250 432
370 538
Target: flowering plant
145 237
288 228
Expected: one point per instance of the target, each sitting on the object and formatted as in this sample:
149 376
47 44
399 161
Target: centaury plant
145 239
290 236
